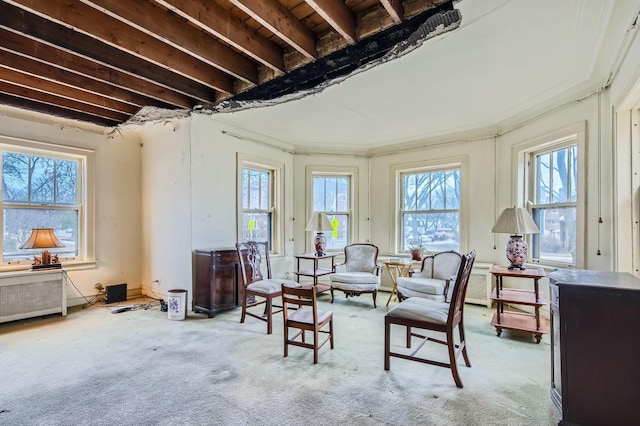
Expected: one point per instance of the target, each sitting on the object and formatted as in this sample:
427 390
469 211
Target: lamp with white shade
517 222
319 223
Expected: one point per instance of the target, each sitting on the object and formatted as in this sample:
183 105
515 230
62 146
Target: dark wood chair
305 317
259 290
427 314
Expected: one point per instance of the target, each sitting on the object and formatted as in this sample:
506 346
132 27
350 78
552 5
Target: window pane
256 227
42 180
409 192
557 238
452 200
573 173
339 237
543 182
437 191
15 178
343 194
66 182
436 231
265 189
423 194
319 194
560 176
19 222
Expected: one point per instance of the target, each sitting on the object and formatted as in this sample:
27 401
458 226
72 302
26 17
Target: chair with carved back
433 315
305 317
259 290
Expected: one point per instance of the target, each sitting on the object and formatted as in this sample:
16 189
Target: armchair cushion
435 279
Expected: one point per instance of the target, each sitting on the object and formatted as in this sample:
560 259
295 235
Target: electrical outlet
99 287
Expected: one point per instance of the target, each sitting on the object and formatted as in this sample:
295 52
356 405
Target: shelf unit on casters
520 321
316 271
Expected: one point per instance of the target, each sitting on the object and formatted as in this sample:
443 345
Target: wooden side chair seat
305 317
259 290
433 315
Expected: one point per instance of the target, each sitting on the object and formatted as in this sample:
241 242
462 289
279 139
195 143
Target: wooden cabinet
595 349
216 280
520 321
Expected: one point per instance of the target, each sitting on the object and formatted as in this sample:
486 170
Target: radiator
32 293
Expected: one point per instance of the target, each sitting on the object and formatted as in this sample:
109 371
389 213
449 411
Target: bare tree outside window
430 210
39 192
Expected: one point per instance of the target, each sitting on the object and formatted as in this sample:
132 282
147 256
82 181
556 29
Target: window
554 209
430 209
42 190
257 202
332 196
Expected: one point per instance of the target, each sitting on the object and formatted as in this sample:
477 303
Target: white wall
117 200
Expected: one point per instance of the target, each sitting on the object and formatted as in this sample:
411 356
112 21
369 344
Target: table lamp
319 223
515 221
43 238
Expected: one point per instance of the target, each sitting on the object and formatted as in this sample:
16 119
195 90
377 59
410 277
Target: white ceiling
509 60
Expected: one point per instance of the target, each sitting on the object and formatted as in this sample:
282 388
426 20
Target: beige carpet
139 368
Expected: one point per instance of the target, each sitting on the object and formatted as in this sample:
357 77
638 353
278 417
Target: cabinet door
224 286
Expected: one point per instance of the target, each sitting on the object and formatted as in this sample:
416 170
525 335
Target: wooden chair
250 256
306 317
433 315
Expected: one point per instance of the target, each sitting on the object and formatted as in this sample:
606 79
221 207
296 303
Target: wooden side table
316 271
530 323
397 268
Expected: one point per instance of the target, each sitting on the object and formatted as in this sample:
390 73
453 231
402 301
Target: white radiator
27 294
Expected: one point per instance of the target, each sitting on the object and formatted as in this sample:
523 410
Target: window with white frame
42 190
259 201
430 209
332 196
553 190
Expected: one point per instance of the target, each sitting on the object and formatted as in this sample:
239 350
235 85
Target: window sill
69 265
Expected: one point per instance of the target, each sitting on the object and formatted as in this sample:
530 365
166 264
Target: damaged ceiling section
109 62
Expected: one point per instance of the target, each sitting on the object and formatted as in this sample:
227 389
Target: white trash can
177 304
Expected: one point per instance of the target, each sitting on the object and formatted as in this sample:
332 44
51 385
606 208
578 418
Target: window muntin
332 196
554 207
257 204
40 191
430 209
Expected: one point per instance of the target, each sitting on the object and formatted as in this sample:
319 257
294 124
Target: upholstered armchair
434 279
359 273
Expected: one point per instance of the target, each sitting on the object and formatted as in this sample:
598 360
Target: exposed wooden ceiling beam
87 111
111 31
51 107
53 73
47 54
36 83
338 15
172 30
394 8
282 23
105 56
221 23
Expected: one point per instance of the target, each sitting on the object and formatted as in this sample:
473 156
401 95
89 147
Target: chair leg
408 337
331 294
387 342
452 358
463 342
315 345
331 333
375 293
286 339
269 314
244 309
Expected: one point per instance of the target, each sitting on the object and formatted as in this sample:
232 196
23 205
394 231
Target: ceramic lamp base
320 243
517 250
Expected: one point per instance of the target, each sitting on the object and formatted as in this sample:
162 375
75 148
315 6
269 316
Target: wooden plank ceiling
101 61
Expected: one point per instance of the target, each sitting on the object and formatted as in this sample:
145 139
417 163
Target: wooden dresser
595 347
216 280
